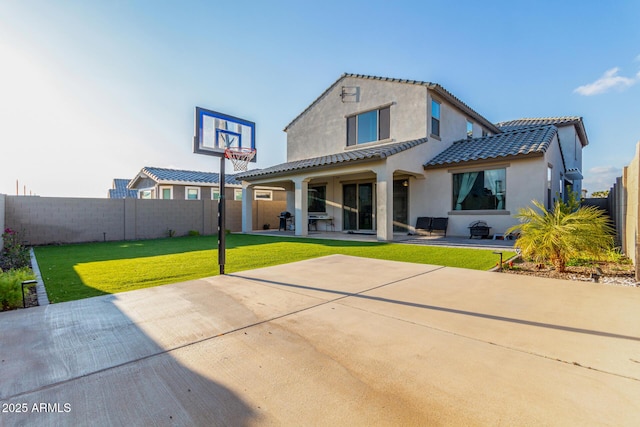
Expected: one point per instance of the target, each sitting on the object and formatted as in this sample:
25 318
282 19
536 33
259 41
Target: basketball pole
221 218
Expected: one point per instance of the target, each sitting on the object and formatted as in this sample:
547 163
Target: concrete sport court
330 341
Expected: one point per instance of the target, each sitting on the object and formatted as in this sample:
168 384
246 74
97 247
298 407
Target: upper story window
485 133
469 129
435 118
369 126
237 194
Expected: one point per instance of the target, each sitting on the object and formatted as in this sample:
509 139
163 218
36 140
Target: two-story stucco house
373 154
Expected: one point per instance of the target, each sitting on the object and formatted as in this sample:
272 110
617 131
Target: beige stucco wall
430 192
526 180
453 123
323 129
572 149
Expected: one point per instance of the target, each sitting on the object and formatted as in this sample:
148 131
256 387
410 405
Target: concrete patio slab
330 341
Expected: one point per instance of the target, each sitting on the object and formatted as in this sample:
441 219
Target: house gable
322 128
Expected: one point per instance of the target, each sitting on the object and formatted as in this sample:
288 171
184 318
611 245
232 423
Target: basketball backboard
215 132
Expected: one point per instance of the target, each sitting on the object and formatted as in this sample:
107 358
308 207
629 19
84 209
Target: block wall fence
50 220
624 209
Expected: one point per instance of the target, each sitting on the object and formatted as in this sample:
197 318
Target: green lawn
79 271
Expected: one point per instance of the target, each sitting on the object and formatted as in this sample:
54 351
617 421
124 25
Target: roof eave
433 86
315 101
463 107
484 161
295 171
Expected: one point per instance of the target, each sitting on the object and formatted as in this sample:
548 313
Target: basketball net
240 157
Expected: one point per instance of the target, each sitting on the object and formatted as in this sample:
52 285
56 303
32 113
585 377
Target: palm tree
565 232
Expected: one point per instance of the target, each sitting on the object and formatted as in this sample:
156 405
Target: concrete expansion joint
205 339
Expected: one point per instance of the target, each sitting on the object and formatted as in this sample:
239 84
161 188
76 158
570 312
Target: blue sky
96 90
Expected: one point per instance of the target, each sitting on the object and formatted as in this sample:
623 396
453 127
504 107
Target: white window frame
237 194
469 129
142 192
186 192
263 195
166 187
214 191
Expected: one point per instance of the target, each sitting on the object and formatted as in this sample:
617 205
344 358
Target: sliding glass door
358 206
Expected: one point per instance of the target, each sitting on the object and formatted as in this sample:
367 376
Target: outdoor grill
285 219
479 229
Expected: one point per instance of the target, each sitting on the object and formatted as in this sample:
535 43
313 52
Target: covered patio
365 190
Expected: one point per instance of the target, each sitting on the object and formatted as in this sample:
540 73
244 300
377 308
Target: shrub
568 231
193 233
14 254
11 287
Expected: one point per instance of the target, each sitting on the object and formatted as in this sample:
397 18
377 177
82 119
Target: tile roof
574 173
432 86
120 190
358 155
519 142
557 121
166 176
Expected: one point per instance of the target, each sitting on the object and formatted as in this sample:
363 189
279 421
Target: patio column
247 207
384 204
301 209
291 200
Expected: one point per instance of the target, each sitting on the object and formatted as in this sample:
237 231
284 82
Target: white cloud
601 178
609 80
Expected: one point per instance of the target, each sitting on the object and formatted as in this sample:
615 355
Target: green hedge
11 287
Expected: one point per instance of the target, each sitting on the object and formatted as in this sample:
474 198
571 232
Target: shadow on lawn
58 264
105 251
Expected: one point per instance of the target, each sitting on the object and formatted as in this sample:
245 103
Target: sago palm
562 233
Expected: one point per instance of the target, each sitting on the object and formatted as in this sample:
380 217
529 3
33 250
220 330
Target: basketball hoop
240 157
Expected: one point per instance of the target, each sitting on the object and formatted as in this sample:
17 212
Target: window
146 194
469 130
369 126
215 194
317 199
484 133
237 194
166 193
263 195
549 184
482 190
435 118
192 193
